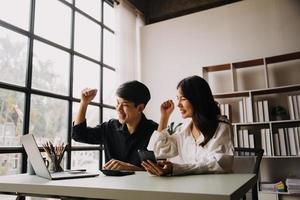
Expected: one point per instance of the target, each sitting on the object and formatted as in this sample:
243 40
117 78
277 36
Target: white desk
138 186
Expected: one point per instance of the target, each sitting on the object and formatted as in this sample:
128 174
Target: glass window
92 114
86 75
92 117
91 7
53 21
85 159
109 86
50 68
48 117
87 37
8 197
109 114
13 57
108 16
11 117
70 1
109 48
10 163
16 12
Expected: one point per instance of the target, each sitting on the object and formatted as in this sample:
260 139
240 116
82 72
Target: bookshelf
252 89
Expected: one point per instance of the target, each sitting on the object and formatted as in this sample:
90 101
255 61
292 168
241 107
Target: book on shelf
293 185
245 110
291 107
292 141
263 140
294 106
266 110
276 144
240 138
260 111
235 139
256 111
268 142
241 112
287 142
225 110
297 139
249 113
273 187
282 142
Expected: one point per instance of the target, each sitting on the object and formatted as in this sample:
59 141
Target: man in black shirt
123 137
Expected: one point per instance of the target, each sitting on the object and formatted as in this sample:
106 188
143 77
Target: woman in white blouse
204 145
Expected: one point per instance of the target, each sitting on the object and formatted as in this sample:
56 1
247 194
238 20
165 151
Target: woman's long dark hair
205 110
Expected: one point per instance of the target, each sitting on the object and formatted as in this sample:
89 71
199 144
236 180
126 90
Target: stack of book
273 187
294 106
293 185
261 111
225 109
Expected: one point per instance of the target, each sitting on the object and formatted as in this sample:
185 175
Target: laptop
35 157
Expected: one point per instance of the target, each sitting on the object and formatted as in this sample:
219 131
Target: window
45 62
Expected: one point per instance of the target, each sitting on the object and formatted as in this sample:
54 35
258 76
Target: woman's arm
217 156
166 109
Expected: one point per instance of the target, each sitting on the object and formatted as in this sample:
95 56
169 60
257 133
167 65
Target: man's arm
120 165
87 95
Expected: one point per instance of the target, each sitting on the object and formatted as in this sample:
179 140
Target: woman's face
184 105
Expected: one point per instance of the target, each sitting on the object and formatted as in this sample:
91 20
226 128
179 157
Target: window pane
86 75
8 197
109 114
109 48
10 163
85 159
91 7
16 12
109 16
109 86
70 1
13 57
50 68
87 37
53 21
92 117
11 117
48 117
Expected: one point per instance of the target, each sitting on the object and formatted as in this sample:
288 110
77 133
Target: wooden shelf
249 63
281 89
216 68
232 94
250 82
281 157
282 58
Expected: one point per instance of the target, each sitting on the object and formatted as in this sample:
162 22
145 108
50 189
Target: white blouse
189 157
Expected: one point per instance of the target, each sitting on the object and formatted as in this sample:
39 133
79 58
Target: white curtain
127 33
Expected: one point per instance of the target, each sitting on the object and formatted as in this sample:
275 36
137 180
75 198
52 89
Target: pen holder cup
55 163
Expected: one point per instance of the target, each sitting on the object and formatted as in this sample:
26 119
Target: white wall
177 48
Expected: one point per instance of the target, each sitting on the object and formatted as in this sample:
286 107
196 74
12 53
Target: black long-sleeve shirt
118 142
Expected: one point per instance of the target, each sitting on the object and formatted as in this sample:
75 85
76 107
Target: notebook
39 166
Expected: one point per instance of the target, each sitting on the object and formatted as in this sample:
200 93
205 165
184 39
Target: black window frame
28 90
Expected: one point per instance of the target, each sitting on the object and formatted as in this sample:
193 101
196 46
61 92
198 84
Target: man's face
127 111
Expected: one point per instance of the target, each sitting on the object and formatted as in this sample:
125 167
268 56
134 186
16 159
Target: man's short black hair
135 92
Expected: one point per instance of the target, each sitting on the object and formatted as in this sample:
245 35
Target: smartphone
147 155
110 172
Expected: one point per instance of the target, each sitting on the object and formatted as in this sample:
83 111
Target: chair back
247 160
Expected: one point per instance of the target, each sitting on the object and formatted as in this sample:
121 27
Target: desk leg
20 197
